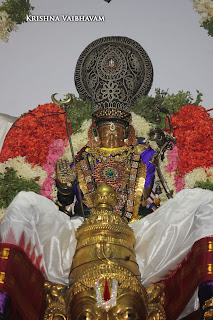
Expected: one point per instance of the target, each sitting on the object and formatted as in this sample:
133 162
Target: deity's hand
65 180
65 175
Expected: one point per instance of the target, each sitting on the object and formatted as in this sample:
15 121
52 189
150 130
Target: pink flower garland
56 150
173 161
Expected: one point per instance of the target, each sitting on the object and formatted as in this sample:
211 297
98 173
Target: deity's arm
146 157
65 183
67 190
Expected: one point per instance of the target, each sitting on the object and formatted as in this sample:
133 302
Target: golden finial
105 197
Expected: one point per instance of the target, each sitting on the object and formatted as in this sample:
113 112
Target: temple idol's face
130 306
111 134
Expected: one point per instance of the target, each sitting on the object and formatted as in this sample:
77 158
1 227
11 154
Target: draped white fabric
165 237
50 231
162 239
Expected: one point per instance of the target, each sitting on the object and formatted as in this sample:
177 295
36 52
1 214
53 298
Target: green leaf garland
208 25
146 107
17 9
11 184
80 110
204 185
149 107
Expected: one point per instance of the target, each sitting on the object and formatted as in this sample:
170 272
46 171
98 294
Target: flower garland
31 176
186 165
198 175
141 126
6 26
31 135
38 139
193 128
13 12
56 151
173 161
10 181
205 9
31 148
24 169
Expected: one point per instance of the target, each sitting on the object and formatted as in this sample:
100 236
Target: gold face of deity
129 306
112 134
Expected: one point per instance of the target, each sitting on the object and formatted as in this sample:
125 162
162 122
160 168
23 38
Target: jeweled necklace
119 154
113 172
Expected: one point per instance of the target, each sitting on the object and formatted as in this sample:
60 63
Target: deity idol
112 72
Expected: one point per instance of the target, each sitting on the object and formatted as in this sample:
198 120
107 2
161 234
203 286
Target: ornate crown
113 72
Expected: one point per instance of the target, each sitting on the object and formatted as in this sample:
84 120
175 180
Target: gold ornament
118 154
208 309
60 103
104 254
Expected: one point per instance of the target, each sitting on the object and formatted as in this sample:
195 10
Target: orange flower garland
193 128
32 134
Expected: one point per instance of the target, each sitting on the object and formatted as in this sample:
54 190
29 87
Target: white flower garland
6 26
2 213
24 169
198 174
169 178
141 126
204 8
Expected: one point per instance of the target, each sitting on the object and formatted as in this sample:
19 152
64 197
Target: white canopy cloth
163 238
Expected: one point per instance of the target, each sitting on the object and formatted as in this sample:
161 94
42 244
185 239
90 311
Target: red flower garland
32 134
193 128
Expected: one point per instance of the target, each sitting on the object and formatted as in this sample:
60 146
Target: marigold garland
32 134
193 127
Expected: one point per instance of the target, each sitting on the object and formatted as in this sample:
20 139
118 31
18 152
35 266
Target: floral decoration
199 175
12 13
56 151
190 163
146 107
30 151
31 135
6 26
11 184
38 139
193 128
24 169
205 9
141 126
22 176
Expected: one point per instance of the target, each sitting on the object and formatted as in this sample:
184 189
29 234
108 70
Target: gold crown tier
104 238
104 253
